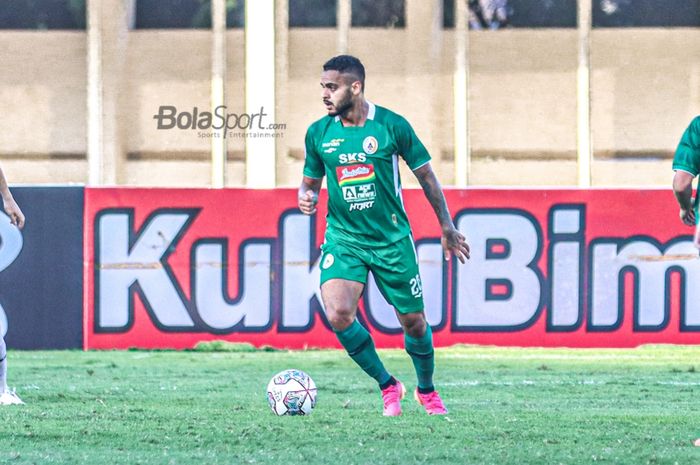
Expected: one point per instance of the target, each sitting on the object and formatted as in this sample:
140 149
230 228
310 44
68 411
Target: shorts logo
327 261
370 145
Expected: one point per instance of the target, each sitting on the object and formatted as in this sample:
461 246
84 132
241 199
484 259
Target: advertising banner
167 268
41 283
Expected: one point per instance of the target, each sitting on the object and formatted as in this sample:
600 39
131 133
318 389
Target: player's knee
415 325
416 331
340 318
340 323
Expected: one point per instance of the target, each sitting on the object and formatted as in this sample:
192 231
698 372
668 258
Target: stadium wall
167 268
523 98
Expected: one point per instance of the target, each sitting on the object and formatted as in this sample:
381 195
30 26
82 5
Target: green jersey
687 157
361 165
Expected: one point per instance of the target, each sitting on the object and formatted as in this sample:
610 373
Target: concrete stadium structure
645 88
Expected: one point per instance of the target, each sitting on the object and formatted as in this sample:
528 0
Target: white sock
3 366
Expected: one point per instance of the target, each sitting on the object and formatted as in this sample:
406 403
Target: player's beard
342 106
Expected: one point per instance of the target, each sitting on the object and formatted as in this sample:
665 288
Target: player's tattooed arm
433 192
453 242
308 194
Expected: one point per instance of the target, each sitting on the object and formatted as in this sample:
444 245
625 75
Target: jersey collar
371 111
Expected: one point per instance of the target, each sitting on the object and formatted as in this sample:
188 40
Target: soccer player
686 164
357 147
8 397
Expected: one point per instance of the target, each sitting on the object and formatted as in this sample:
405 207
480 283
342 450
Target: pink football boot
391 397
431 402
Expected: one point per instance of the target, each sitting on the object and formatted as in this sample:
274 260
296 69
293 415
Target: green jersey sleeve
409 146
313 163
687 157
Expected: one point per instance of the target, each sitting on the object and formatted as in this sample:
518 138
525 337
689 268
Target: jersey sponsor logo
352 157
370 145
360 193
355 174
359 206
330 150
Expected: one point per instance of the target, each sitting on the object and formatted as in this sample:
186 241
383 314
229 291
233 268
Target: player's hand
454 242
307 202
14 212
688 216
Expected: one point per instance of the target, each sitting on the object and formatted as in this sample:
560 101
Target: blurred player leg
3 366
7 397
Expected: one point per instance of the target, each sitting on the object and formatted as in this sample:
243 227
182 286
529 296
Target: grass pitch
507 406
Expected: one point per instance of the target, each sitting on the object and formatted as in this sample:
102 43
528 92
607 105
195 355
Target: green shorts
395 270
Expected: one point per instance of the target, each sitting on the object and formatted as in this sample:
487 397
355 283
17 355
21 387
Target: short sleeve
687 156
313 163
409 146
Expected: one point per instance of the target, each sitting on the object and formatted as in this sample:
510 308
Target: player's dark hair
347 64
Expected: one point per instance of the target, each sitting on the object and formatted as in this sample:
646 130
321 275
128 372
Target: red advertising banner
168 268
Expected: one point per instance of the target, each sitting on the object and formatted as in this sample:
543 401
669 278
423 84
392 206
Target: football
291 392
